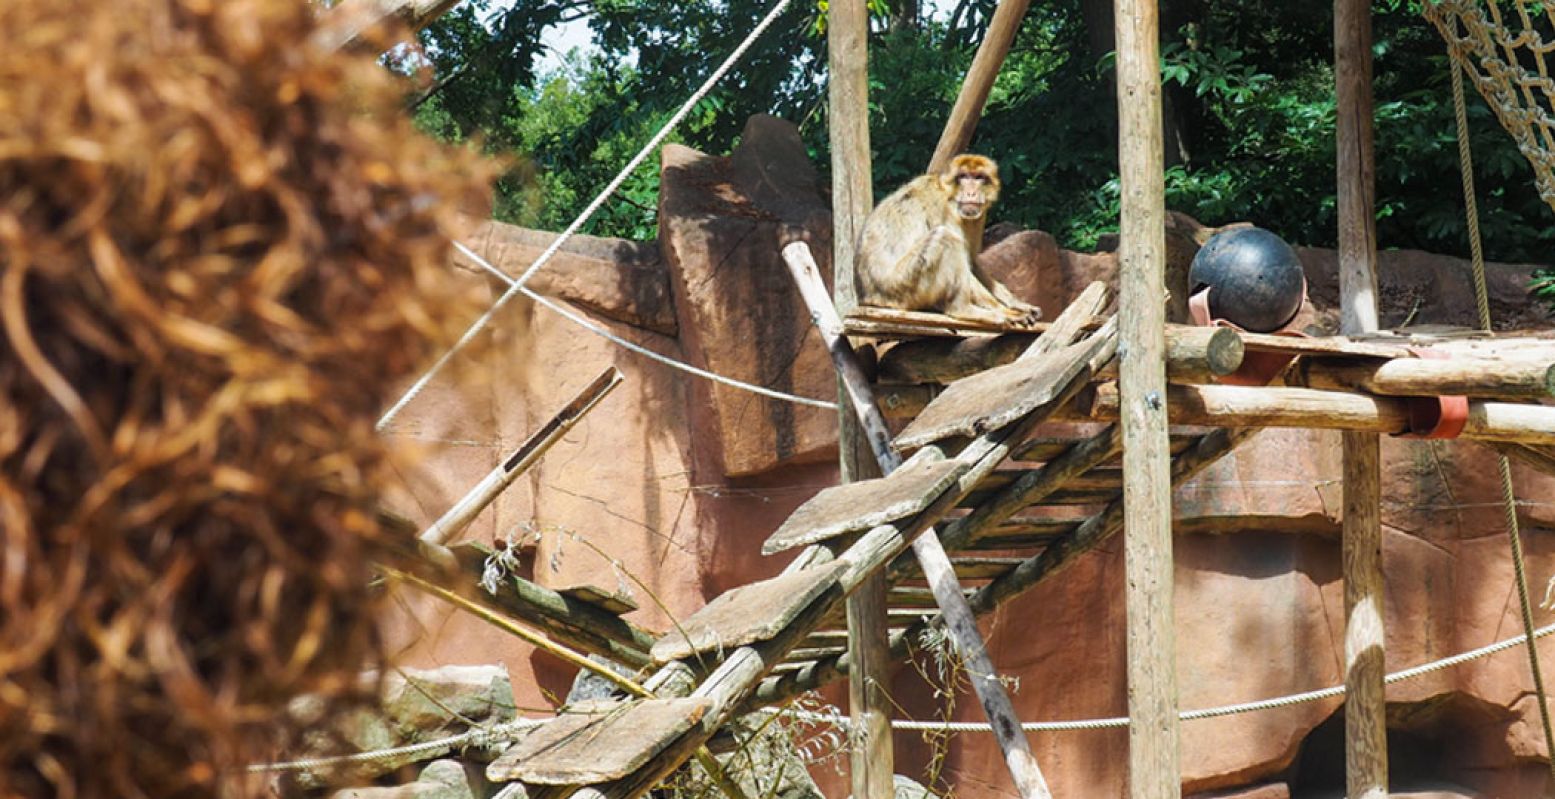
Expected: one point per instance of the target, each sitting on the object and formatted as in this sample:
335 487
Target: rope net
1506 53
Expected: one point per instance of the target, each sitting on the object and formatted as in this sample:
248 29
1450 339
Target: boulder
443 779
722 225
416 706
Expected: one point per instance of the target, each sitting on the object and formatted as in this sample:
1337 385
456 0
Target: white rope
1205 713
509 730
598 330
500 733
588 212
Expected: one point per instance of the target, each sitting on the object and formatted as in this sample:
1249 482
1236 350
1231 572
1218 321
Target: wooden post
1366 749
1152 673
979 81
847 40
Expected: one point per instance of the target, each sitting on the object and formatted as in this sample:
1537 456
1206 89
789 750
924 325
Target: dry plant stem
704 758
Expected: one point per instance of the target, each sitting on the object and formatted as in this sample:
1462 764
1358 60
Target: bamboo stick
498 479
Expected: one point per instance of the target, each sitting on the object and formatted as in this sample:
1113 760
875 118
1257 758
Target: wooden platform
992 474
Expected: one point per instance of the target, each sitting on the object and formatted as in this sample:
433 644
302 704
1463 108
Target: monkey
919 248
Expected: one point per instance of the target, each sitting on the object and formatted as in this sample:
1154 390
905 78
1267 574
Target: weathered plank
602 744
992 399
748 614
853 507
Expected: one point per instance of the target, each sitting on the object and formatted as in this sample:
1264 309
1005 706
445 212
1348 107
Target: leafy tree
1249 91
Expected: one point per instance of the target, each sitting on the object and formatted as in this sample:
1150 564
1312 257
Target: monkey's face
972 194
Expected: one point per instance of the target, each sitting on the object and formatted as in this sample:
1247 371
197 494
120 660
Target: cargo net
1505 49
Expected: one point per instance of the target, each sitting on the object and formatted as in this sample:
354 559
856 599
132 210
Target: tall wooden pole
852 196
1152 672
1365 727
979 82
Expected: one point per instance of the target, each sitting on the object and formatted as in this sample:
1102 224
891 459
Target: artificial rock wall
669 487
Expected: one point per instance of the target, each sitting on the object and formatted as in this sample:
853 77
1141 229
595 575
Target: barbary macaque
919 248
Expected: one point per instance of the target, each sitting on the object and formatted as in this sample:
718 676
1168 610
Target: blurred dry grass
219 247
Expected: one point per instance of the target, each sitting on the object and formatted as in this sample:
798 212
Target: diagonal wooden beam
937 569
979 82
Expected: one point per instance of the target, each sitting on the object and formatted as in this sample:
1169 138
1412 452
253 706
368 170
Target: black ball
1255 278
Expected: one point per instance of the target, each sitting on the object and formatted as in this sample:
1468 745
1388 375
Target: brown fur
919 248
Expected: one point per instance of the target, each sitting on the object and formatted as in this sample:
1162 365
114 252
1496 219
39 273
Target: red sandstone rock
619 279
722 225
1273 790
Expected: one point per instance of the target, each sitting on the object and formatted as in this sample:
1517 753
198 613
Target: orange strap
1435 417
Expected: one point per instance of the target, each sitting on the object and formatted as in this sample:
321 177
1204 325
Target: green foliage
1249 90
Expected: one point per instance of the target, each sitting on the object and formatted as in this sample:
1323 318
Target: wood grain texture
1152 674
847 43
978 82
1366 749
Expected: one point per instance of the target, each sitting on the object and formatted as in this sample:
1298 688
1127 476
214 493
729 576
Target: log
1193 355
1154 766
873 321
979 81
872 760
574 622
1485 377
1239 406
926 547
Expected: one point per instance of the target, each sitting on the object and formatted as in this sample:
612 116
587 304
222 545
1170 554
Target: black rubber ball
1255 277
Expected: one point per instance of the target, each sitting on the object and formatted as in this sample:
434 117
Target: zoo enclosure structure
989 472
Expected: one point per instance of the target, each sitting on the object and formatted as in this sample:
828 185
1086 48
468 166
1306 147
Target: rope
588 212
509 730
1204 713
1508 496
482 737
598 330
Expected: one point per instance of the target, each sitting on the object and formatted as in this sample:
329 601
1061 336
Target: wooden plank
978 83
613 602
750 613
1541 458
1366 748
1152 675
601 744
854 507
992 399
